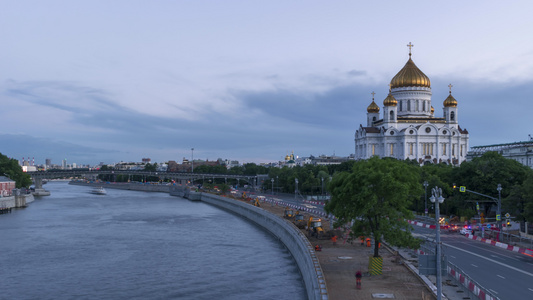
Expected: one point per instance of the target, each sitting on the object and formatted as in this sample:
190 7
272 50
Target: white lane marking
491 260
500 276
474 265
452 256
530 289
493 291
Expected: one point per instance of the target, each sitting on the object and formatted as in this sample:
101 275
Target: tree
10 168
376 196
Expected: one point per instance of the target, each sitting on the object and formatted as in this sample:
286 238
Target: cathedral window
374 119
428 130
391 149
452 116
401 102
443 148
431 149
453 150
462 150
392 115
408 105
424 105
373 149
410 148
417 104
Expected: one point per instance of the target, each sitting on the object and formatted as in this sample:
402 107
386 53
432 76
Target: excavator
288 213
314 227
299 220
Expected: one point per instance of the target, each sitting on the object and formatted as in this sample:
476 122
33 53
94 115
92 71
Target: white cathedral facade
408 129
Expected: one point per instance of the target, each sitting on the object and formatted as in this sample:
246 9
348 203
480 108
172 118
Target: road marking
530 289
452 256
493 291
474 265
492 260
500 276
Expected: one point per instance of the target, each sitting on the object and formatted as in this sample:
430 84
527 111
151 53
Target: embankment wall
297 243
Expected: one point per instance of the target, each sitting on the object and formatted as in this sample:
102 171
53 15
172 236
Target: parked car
465 231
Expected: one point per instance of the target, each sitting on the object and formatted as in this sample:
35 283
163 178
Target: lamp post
192 160
426 198
277 183
296 189
436 197
499 212
272 180
322 178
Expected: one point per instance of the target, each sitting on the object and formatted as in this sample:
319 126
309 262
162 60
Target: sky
110 81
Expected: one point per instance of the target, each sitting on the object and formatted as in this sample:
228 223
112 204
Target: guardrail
473 288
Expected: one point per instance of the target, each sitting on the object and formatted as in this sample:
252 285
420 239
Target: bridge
182 178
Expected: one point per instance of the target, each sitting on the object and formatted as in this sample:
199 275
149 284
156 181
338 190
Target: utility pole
436 197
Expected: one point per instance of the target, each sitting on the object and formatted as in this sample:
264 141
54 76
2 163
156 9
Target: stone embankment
18 200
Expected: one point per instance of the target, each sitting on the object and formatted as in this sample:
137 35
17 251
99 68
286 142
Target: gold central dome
410 75
373 107
450 101
390 100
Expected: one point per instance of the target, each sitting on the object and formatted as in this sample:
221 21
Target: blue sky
109 81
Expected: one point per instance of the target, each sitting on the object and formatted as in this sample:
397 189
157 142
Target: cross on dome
410 46
450 86
373 95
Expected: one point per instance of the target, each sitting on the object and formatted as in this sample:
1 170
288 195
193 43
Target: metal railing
472 287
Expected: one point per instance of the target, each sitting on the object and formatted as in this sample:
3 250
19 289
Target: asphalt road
507 274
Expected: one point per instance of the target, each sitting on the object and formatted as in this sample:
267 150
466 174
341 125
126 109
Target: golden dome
410 75
450 101
432 110
373 107
390 100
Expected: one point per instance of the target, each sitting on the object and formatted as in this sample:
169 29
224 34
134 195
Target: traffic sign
507 215
488 226
462 189
498 217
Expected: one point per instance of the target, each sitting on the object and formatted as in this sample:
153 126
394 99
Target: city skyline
118 81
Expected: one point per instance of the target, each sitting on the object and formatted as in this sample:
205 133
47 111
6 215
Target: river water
138 245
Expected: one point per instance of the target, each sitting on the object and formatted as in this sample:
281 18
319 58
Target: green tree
376 196
10 168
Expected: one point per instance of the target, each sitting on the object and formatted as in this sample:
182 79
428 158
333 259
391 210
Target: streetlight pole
296 189
426 198
192 160
499 212
322 178
277 183
436 197
272 180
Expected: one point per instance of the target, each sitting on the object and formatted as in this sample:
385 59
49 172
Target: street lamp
192 160
426 198
436 197
272 180
296 189
277 184
499 212
322 186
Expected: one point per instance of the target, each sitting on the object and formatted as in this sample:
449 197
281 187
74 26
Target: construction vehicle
299 220
314 227
256 202
288 213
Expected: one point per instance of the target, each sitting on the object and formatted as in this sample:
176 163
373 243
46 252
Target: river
138 245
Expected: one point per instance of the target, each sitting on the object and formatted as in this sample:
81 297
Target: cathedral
408 128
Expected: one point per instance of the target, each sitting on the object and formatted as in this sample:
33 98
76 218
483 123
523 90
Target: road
507 274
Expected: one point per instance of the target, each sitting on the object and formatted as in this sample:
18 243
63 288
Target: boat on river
98 191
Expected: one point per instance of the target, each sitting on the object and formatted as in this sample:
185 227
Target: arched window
401 102
391 115
374 119
424 105
452 116
408 105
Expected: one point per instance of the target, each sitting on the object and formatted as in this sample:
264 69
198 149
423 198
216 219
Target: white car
465 231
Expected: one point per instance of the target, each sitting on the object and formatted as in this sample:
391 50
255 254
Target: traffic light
454 186
508 223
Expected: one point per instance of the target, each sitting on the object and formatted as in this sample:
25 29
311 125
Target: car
465 231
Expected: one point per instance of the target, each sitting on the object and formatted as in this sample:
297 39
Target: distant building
328 160
146 160
6 186
522 152
408 128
